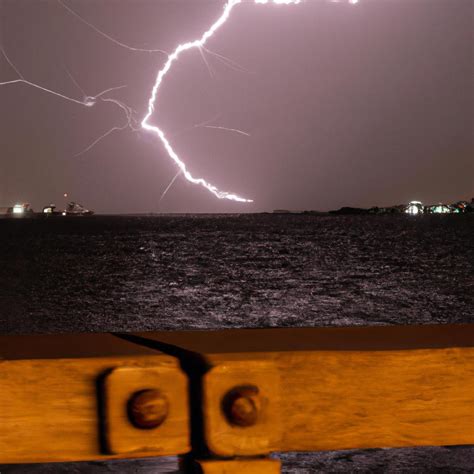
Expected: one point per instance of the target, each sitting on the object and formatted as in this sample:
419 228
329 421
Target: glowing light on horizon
414 208
18 209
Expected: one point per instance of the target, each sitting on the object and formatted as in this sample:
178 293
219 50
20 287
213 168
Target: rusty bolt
147 409
242 405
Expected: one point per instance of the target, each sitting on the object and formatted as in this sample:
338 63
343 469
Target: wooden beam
240 466
50 387
338 388
258 391
355 338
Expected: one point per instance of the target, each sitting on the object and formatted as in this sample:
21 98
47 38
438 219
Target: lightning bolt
90 101
172 58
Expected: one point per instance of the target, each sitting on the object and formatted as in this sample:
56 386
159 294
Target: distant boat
51 211
76 209
18 210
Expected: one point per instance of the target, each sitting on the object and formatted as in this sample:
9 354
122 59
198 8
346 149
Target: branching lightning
196 44
226 129
105 35
88 101
172 58
227 61
208 124
131 122
170 184
5 55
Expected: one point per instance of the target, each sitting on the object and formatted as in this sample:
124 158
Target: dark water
140 273
145 273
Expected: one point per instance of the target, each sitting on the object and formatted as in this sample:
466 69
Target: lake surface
118 273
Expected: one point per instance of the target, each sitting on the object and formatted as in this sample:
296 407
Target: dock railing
224 400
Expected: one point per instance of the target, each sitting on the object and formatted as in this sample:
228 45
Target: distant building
459 207
439 209
414 208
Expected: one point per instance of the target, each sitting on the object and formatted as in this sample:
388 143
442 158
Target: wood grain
334 400
240 466
343 388
49 408
366 399
323 389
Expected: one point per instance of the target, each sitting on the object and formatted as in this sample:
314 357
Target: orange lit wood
226 439
49 407
121 436
335 400
318 389
343 388
253 466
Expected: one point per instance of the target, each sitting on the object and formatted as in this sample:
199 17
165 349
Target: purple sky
346 105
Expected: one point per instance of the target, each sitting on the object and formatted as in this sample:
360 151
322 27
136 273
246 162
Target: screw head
147 409
242 405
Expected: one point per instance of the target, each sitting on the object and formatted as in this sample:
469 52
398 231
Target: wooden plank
240 466
335 400
344 388
324 388
67 346
49 407
373 338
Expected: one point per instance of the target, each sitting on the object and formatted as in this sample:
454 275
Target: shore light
18 209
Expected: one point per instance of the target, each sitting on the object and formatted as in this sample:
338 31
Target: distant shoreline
336 213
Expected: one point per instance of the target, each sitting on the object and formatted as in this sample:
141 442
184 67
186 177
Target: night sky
359 105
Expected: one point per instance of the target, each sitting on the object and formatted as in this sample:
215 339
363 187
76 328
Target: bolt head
147 409
242 406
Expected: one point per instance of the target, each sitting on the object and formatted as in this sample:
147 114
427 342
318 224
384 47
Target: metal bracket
241 408
143 406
